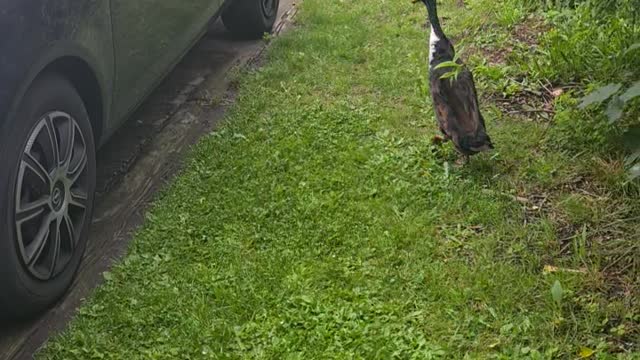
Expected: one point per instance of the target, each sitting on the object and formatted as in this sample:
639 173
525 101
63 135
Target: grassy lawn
319 222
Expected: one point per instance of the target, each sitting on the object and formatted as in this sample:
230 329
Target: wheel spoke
70 231
70 141
75 173
37 168
78 200
33 251
53 139
31 210
56 248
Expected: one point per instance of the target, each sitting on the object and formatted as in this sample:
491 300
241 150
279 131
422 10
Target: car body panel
129 45
37 33
149 37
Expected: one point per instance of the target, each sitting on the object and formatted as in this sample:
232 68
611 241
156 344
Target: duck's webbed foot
439 140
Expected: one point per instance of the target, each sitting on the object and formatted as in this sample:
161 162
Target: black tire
250 18
51 101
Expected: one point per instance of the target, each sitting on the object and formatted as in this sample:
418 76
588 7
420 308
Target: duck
455 99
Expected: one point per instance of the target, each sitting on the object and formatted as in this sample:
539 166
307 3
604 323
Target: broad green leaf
447 64
631 140
449 75
632 92
600 95
557 292
615 109
632 47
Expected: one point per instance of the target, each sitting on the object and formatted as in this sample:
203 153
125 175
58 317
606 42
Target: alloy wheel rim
51 195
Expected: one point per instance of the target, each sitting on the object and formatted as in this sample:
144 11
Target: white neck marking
433 41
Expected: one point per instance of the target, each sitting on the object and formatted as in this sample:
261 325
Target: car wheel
251 18
47 184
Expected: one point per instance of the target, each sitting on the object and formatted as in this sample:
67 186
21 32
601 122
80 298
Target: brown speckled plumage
455 100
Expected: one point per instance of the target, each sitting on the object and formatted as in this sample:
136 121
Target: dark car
71 71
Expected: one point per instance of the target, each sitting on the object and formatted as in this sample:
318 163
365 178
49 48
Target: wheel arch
90 77
84 80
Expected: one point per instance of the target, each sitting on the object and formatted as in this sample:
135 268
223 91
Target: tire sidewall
23 294
247 18
270 21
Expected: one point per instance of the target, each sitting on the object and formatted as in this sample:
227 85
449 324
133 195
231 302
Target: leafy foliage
617 103
600 95
557 293
456 69
632 92
632 48
589 42
615 110
593 42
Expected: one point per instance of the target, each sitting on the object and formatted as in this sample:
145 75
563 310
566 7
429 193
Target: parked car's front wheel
47 182
251 18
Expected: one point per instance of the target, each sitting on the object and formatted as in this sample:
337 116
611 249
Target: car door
149 37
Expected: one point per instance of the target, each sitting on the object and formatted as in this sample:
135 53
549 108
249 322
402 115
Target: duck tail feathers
482 142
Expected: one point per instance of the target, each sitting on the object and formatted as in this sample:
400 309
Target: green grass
318 222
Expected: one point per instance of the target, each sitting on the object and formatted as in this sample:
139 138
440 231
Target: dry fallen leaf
585 352
548 269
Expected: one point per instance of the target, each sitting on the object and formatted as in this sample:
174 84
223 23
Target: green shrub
594 47
587 46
